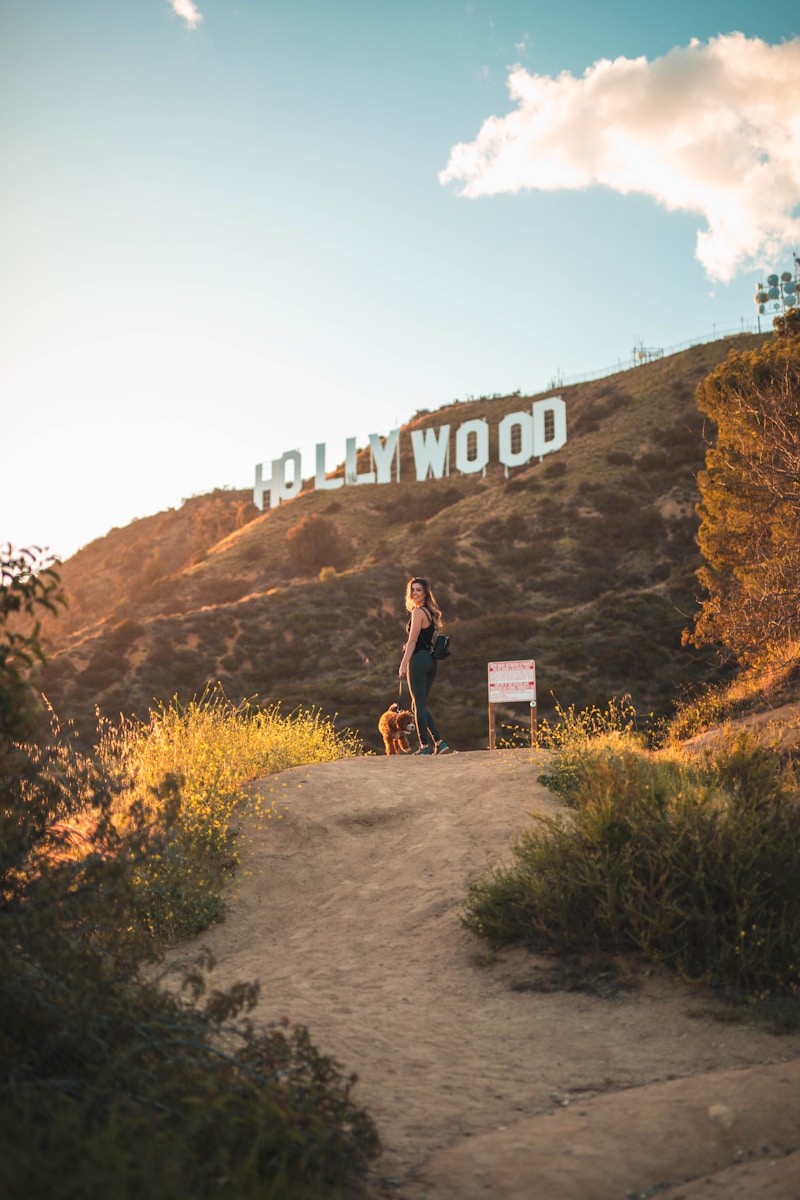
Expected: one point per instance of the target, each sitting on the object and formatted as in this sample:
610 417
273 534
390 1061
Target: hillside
584 560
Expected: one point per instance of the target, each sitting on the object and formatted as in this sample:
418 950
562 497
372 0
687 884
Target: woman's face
417 594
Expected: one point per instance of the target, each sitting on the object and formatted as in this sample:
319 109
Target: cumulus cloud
188 11
711 128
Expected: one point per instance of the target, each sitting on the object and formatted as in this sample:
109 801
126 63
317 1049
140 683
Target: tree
315 542
749 508
28 582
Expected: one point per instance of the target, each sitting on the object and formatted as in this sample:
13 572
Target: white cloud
709 128
188 11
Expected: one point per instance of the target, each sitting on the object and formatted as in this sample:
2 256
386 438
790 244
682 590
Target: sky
234 228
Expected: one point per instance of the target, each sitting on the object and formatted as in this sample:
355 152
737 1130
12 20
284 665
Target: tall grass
187 767
691 861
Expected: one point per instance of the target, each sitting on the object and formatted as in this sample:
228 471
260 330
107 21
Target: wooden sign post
510 682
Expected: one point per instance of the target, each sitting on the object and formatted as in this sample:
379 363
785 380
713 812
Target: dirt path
346 911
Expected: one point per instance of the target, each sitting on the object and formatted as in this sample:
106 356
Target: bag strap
430 618
435 635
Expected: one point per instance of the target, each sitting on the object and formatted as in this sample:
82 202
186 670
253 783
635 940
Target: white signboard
521 436
509 681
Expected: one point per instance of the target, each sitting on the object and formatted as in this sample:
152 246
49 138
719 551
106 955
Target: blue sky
235 227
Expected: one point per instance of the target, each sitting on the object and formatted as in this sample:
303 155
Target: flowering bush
187 766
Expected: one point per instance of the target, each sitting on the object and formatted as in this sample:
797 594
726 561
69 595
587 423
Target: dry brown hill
584 561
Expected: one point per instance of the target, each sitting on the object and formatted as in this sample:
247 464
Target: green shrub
112 1084
315 542
693 863
28 583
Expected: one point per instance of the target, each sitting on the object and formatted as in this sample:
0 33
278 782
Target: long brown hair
429 602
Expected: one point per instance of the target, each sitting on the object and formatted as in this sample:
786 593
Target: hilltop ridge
584 560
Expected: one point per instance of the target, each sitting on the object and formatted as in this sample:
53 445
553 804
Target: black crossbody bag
441 647
440 642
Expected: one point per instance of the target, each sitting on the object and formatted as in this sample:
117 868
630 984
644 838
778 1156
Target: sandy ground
347 912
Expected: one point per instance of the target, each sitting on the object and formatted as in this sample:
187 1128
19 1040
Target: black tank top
425 639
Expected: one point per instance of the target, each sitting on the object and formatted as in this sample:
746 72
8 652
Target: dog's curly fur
395 725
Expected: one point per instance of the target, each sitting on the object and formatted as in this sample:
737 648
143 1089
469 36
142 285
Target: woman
419 665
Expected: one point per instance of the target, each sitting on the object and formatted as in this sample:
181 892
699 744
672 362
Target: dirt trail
346 911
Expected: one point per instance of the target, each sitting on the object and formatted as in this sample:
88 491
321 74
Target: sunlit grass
769 682
188 766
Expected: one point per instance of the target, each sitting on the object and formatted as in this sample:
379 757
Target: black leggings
421 674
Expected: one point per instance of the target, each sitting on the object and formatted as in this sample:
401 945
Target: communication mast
646 354
780 293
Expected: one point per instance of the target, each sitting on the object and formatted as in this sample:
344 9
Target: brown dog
395 725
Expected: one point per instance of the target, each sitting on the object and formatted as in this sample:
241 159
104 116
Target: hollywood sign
521 436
